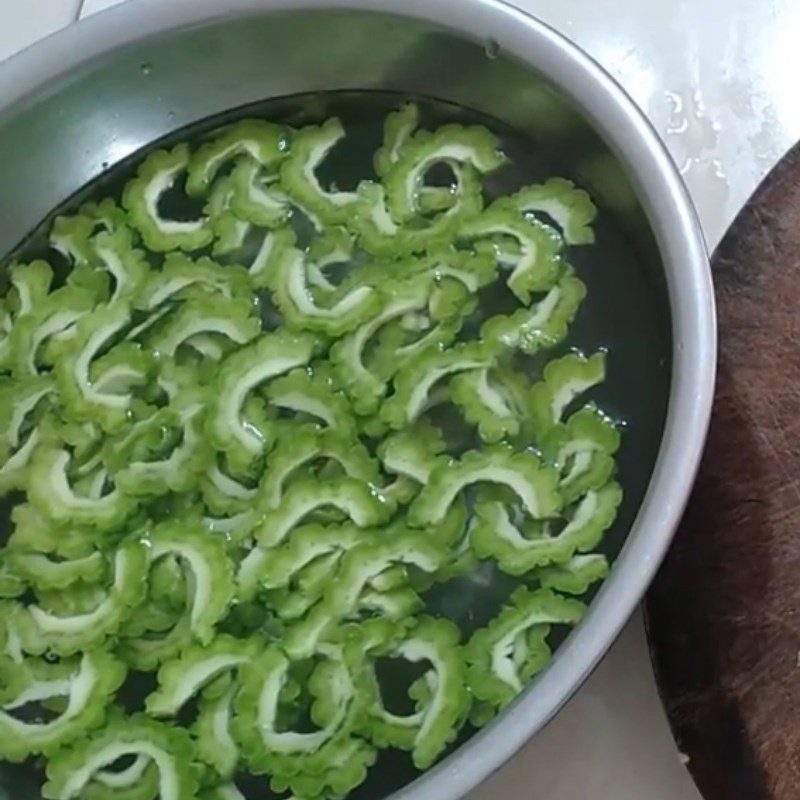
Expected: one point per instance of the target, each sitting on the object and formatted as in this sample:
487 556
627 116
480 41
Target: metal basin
93 94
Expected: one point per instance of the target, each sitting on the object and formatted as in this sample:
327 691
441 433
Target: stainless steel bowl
93 94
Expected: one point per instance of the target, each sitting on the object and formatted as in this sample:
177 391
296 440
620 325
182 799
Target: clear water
625 312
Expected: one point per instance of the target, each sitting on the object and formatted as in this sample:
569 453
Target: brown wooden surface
724 614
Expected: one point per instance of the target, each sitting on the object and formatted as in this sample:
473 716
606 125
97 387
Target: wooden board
724 613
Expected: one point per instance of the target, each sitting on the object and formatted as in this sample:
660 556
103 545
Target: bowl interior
302 68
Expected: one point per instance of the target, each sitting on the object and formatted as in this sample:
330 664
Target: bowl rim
665 199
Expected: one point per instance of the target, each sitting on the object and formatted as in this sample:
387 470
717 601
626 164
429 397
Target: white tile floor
718 80
24 23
